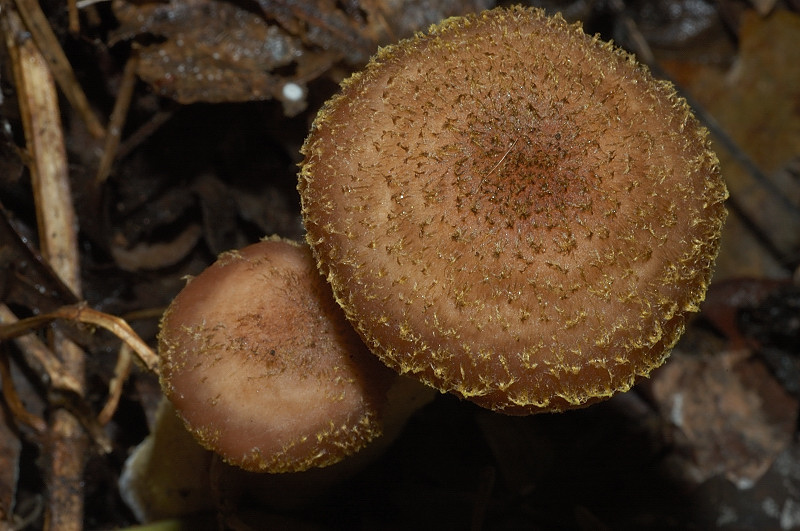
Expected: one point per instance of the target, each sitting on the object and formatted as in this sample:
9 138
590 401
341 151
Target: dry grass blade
81 314
117 119
74 17
47 42
121 372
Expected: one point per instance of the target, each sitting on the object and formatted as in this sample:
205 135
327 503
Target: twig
48 45
121 372
143 133
117 118
73 17
14 403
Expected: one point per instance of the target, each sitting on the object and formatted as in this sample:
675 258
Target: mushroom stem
167 474
170 475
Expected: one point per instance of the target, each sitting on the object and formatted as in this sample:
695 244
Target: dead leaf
217 51
25 279
731 417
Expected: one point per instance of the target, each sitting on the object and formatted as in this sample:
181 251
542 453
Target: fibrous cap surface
262 366
513 211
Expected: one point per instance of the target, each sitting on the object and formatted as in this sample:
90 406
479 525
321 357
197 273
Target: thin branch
117 119
13 402
121 372
80 313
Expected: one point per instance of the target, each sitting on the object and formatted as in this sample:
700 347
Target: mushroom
264 369
513 211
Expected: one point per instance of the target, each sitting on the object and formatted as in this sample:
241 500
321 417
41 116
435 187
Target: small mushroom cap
262 366
513 211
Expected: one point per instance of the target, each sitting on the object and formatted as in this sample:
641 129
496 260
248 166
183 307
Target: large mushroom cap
263 367
513 211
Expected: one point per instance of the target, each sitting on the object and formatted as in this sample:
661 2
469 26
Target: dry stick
39 357
66 442
639 43
74 18
144 132
144 313
117 118
48 44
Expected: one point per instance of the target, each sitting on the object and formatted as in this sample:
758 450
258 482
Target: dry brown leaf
217 51
732 418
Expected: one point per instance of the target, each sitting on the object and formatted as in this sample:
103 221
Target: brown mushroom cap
262 366
513 211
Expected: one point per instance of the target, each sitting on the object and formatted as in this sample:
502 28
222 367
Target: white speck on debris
292 92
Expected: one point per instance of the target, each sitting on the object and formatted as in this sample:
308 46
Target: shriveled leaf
25 279
217 51
731 417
